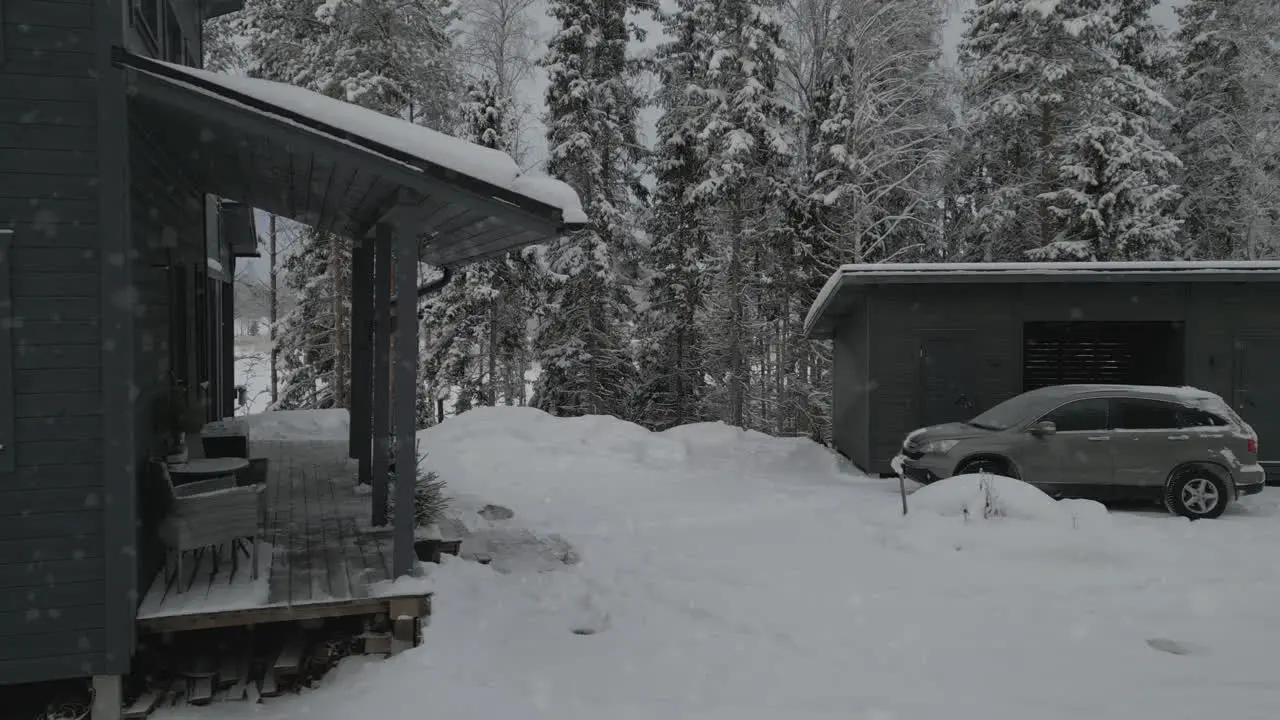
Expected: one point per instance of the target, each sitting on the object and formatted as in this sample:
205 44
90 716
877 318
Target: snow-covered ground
721 574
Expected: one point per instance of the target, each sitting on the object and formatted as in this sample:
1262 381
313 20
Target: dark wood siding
168 219
52 616
851 388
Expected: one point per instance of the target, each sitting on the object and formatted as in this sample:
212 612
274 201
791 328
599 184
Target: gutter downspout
430 288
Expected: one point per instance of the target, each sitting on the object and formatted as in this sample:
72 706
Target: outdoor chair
208 514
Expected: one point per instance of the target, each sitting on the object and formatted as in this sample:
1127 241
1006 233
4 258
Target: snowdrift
299 425
984 496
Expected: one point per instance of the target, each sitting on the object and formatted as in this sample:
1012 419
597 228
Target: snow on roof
486 164
888 273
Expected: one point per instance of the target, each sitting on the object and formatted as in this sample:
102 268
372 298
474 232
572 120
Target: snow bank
979 496
298 425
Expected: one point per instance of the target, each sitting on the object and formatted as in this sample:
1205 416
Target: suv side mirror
1043 428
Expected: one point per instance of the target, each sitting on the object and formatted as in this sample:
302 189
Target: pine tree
306 346
1228 127
474 328
592 105
1118 200
1064 115
744 139
672 344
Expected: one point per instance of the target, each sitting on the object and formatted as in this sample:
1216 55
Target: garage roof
847 283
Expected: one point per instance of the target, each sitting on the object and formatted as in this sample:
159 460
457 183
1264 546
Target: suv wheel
1196 493
991 466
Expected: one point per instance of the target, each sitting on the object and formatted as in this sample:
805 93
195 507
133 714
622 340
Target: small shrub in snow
429 498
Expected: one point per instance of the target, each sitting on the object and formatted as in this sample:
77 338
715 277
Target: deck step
143 706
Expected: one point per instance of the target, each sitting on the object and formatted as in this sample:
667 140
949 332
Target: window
146 18
1079 416
1139 414
1196 418
172 35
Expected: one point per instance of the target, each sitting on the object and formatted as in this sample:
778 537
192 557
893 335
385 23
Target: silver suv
1180 445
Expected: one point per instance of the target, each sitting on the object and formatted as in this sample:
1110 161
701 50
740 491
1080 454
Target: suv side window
1196 418
1080 415
1141 414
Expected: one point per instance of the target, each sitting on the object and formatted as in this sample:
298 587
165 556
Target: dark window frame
1106 415
174 38
1172 408
148 28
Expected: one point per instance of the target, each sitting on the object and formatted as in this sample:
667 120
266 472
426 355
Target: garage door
1141 353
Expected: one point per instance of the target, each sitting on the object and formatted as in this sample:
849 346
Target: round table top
210 466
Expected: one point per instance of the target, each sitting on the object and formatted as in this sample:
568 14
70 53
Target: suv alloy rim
1200 496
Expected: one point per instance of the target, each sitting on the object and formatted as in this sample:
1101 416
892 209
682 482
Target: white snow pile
298 425
983 496
718 574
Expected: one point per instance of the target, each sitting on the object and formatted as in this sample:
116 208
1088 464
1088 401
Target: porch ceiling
274 158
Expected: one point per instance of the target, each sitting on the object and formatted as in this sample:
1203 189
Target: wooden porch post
406 392
361 438
381 369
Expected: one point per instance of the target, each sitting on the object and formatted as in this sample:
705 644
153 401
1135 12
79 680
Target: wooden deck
319 558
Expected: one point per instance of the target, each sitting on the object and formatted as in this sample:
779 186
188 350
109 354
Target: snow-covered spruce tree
743 134
474 329
592 105
1070 164
1228 127
671 340
306 344
1118 199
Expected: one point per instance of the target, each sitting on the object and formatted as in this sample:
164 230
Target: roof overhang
260 143
211 9
851 282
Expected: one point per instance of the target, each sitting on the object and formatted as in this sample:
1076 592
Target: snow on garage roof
821 317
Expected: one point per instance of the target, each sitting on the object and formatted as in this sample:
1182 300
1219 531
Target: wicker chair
208 514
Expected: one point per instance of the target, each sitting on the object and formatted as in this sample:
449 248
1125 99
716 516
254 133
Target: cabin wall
53 567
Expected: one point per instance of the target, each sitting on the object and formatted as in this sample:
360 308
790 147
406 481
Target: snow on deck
314 552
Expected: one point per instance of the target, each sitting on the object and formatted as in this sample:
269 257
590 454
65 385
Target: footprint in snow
1174 647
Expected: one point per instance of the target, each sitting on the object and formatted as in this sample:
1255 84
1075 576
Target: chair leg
178 570
254 573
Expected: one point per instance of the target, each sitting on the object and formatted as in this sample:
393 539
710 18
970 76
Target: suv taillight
1253 446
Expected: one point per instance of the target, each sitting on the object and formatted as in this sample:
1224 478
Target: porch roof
342 168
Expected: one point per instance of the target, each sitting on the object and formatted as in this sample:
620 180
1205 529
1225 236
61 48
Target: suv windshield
1005 415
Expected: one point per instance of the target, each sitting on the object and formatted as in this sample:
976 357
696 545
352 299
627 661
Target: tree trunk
492 380
342 329
734 352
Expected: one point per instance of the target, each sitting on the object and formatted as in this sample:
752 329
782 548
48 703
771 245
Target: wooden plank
54 476
71 357
46 137
50 572
40 382
56 309
52 285
8 459
74 15
73 113
50 162
36 454
319 610
36 620
79 523
37 37
39 502
143 706
50 596
53 643
56 548
82 332
43 406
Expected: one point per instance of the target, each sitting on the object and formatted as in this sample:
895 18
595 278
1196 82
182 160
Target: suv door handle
1099 438
1179 437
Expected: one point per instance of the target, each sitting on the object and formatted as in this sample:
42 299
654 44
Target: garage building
921 344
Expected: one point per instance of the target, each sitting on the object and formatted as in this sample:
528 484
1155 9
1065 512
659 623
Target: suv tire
1196 493
991 466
